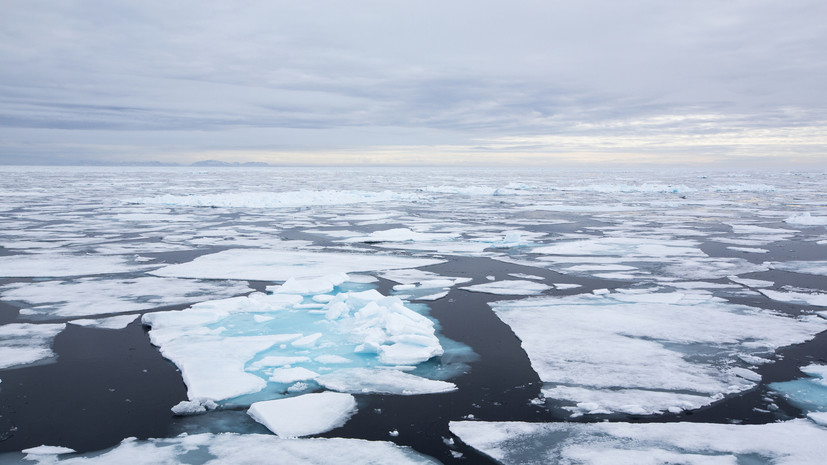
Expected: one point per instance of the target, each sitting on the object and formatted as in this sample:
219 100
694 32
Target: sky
398 82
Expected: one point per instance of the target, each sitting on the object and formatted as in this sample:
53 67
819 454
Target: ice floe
281 265
24 343
805 219
300 198
224 352
382 381
814 267
115 322
207 448
806 298
304 415
808 393
65 265
94 296
795 442
651 351
509 287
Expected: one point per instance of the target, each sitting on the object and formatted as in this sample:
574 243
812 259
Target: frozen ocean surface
183 306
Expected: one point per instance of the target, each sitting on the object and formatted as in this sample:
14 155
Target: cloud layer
408 82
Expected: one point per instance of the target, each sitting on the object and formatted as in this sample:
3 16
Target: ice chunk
23 343
48 450
815 267
246 449
509 287
656 350
806 220
304 415
193 407
748 249
93 296
281 265
796 442
381 381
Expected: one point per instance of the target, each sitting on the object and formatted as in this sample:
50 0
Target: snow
24 343
795 442
509 287
207 448
382 381
656 350
270 200
224 353
281 265
304 415
805 219
94 296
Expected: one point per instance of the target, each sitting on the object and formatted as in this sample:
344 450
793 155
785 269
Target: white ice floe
93 296
526 276
566 286
304 415
815 267
805 219
401 235
224 352
64 265
748 249
232 448
48 450
509 287
193 407
300 198
23 343
115 322
750 282
796 442
382 381
422 285
281 265
627 247
651 351
806 298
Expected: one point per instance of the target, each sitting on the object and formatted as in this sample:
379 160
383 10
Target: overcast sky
739 82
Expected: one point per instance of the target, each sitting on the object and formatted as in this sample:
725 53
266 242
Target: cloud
164 80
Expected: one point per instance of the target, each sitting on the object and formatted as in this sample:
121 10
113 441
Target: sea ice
805 219
807 393
115 322
281 265
627 247
382 381
23 343
509 287
750 282
814 267
651 351
269 200
64 265
795 442
223 352
304 415
227 448
94 296
814 298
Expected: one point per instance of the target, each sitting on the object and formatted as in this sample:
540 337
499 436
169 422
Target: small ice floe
193 407
304 415
805 219
808 393
509 287
807 298
24 343
382 381
114 322
795 442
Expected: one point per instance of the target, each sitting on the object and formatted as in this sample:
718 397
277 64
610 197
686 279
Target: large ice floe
231 448
299 198
306 333
94 296
796 442
281 265
643 352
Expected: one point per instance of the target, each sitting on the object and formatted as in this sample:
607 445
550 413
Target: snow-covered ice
23 343
64 265
226 448
301 198
382 381
281 265
509 287
795 442
304 415
651 351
